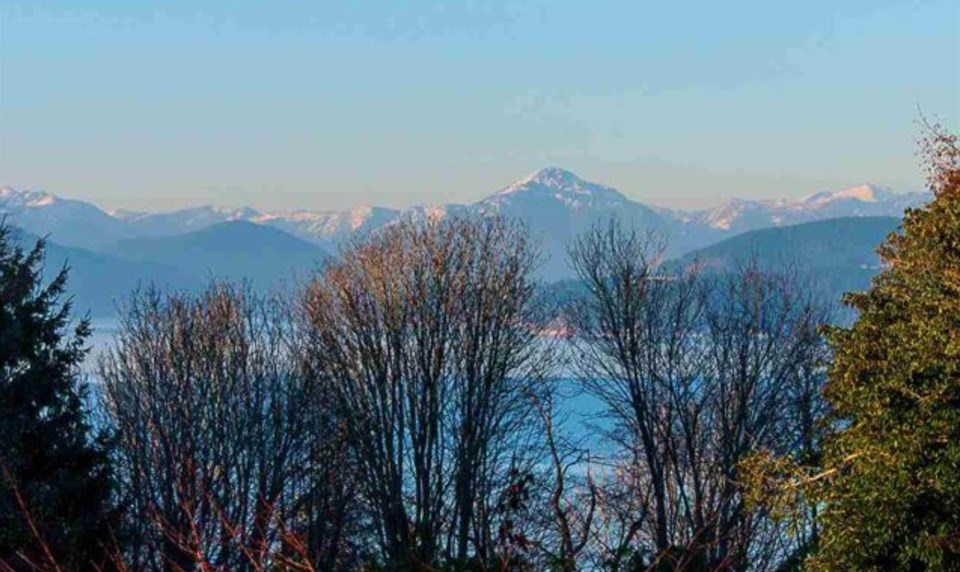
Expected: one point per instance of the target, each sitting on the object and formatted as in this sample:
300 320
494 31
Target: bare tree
566 520
402 411
216 428
426 334
695 373
637 352
763 374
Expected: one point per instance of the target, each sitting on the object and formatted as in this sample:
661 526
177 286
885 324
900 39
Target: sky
326 105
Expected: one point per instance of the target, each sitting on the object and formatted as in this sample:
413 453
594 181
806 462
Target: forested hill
234 250
839 254
100 280
836 255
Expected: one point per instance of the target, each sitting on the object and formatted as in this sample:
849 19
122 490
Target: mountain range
266 247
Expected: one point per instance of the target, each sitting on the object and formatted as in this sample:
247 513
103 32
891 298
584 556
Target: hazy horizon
290 105
664 203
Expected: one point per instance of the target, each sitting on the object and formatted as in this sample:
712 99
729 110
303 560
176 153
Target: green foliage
673 559
891 496
52 474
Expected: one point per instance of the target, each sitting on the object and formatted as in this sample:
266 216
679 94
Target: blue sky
288 104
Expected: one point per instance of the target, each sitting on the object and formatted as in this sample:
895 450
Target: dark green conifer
55 479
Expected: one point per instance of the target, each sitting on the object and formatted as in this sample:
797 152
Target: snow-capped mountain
554 203
863 193
557 205
329 229
739 215
556 184
147 224
69 222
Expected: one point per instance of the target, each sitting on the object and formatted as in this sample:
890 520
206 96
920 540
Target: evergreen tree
54 474
891 491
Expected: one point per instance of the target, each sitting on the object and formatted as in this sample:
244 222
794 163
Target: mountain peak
563 185
556 177
548 178
25 198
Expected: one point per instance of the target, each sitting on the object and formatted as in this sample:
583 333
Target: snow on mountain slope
148 224
68 222
555 204
863 193
329 229
739 215
324 228
554 183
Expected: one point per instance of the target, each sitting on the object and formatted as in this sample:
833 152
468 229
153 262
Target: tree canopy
892 499
54 474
